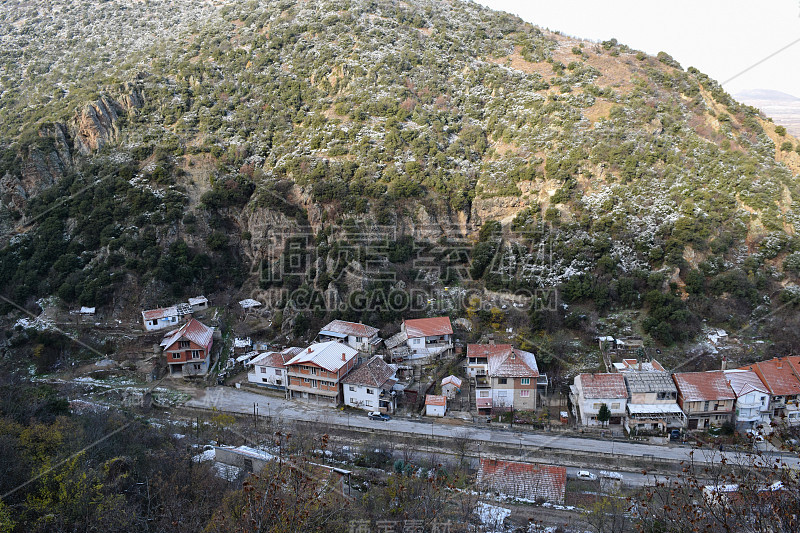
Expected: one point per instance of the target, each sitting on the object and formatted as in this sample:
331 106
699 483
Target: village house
705 398
435 405
269 368
422 338
165 317
505 378
316 372
359 336
523 480
370 386
188 349
780 376
652 402
451 385
590 391
752 399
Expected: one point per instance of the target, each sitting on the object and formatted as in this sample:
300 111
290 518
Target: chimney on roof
779 363
640 365
724 363
491 340
344 358
309 349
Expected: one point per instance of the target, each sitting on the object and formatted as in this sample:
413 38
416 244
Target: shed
435 405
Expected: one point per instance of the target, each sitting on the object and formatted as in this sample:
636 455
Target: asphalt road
239 401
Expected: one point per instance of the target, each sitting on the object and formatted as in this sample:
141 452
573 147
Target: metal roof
356 329
329 355
452 379
649 382
744 382
654 408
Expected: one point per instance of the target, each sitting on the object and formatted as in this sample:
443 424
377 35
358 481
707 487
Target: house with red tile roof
269 368
590 391
705 397
505 377
370 386
525 481
354 334
422 338
781 376
188 349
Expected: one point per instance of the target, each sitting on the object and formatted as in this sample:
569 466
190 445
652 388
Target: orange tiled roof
524 480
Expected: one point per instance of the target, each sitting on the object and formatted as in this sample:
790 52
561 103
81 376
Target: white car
585 474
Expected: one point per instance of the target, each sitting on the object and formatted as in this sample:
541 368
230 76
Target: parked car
675 434
585 474
375 415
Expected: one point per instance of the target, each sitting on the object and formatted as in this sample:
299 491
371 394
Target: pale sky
720 38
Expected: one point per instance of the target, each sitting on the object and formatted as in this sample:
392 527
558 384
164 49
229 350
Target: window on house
359 339
313 383
368 403
197 367
278 371
352 388
278 382
306 380
484 393
263 370
615 405
525 381
183 344
154 322
502 381
195 354
596 406
352 400
313 371
705 406
501 394
176 356
416 341
369 391
524 393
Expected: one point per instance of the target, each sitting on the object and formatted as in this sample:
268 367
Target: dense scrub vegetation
343 114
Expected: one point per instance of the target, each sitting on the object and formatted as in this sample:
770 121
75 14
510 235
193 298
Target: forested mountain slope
159 149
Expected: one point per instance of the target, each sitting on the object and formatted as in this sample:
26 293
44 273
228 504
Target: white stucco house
435 405
370 386
359 336
269 368
165 317
752 399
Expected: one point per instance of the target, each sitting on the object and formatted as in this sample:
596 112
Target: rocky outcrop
96 125
43 164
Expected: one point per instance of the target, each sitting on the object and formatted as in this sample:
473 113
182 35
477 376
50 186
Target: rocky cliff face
96 125
46 162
